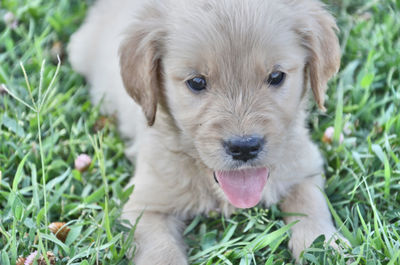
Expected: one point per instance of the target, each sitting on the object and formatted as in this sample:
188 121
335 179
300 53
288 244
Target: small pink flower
82 162
10 20
31 258
329 134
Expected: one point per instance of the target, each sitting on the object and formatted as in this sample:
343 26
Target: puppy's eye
197 84
276 78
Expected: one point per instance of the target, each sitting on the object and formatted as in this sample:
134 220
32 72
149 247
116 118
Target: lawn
47 121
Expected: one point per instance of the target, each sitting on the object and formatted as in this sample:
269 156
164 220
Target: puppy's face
234 75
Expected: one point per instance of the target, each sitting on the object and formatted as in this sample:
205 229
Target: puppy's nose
244 148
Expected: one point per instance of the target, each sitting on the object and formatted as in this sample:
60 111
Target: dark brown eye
276 78
197 84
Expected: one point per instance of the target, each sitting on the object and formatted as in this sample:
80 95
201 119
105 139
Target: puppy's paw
304 235
166 257
160 252
338 238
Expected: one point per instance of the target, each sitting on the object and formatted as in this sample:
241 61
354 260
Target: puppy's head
234 75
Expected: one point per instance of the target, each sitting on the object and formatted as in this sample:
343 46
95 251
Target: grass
49 121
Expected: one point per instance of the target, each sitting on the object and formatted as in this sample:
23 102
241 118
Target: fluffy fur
152 47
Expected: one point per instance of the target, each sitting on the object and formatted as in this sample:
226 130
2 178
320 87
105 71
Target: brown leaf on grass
57 51
20 261
102 122
60 229
50 256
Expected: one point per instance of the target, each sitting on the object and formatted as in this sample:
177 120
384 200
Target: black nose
244 148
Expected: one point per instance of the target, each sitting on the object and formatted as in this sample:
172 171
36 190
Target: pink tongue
243 187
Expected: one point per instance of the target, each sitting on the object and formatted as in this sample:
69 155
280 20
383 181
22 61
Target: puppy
217 121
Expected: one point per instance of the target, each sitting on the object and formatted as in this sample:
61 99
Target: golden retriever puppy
220 92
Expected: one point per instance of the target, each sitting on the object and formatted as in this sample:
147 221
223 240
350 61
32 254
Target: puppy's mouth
244 187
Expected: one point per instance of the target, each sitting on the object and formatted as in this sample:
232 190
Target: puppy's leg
158 238
307 199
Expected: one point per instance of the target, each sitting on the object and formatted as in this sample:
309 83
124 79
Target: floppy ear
140 56
318 35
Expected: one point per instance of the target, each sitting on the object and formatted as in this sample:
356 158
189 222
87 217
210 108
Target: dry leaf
61 230
20 261
50 256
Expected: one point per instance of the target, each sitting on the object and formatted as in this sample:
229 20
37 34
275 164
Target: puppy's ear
140 58
318 34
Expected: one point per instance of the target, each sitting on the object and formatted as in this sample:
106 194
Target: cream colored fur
174 135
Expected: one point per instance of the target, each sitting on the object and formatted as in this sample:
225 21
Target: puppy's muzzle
244 148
